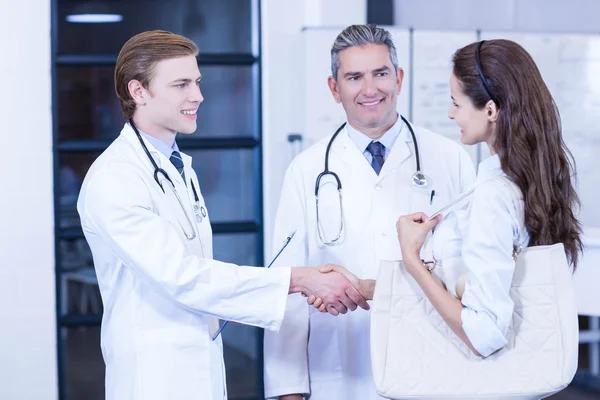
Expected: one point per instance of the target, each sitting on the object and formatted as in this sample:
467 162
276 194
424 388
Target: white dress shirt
387 139
160 145
484 233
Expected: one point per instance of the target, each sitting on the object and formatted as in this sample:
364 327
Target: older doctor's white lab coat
318 354
162 293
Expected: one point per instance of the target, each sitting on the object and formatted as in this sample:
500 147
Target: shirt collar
387 139
489 168
160 145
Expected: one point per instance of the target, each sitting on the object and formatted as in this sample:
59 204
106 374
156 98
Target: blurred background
265 64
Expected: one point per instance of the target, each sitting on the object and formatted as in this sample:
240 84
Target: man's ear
333 86
399 79
137 92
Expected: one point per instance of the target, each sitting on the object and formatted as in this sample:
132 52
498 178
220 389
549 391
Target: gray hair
361 35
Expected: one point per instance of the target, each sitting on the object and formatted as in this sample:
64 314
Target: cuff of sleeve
284 276
482 332
274 393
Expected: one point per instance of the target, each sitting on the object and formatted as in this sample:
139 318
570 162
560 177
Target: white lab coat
162 293
317 353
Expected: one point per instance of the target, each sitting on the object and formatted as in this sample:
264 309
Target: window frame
255 226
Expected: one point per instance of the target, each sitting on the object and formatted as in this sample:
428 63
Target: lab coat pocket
323 347
173 368
426 201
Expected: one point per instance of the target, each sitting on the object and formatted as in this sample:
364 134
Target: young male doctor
374 157
145 220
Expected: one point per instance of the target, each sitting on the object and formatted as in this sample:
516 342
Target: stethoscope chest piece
419 180
200 213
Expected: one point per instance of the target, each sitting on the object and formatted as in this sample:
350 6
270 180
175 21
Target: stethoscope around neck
418 180
200 212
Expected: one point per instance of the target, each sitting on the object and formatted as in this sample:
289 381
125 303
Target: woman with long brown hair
498 98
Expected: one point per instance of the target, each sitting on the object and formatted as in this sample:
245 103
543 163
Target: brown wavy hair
528 139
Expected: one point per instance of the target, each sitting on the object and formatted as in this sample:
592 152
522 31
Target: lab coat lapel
165 164
401 151
162 161
345 149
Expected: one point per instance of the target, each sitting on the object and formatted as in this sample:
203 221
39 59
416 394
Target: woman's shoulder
496 195
497 201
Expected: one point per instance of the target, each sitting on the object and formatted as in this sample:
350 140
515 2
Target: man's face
173 95
367 85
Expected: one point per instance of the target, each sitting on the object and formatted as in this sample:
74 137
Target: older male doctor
147 225
374 157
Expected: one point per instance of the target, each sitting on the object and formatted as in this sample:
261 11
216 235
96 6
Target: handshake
332 288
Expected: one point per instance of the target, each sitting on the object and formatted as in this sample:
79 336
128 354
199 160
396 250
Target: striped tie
178 163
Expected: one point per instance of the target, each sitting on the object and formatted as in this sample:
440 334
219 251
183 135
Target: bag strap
519 203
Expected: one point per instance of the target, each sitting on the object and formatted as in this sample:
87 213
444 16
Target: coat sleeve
117 206
286 351
487 255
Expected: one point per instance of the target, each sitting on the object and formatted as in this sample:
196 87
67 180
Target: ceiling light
94 18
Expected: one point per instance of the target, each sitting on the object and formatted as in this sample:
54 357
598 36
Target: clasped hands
336 290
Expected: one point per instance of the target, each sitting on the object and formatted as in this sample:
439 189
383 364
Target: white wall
27 295
282 23
576 16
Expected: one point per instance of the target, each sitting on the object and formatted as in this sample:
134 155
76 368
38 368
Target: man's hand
336 292
365 287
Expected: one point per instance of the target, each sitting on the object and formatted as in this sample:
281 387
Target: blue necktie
178 163
376 150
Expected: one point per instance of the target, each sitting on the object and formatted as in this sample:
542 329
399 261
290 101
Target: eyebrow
382 69
351 74
375 71
187 80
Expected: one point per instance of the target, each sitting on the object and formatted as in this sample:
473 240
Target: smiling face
170 102
477 125
367 85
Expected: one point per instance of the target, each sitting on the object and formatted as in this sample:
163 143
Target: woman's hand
412 230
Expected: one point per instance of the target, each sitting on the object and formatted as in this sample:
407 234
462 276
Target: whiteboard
322 115
432 66
570 66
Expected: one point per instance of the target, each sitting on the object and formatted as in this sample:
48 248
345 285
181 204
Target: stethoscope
418 180
199 212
